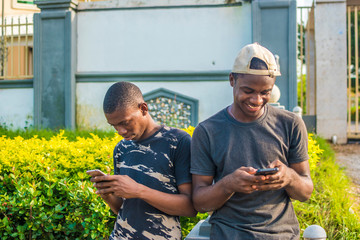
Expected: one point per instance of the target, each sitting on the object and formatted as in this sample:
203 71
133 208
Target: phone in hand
95 172
267 171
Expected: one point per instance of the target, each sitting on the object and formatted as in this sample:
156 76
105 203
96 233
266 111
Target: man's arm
122 186
113 201
209 197
173 204
300 186
295 179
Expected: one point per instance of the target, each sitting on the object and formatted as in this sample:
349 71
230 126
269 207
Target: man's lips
129 137
253 107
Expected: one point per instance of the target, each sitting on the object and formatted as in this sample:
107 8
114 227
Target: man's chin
132 137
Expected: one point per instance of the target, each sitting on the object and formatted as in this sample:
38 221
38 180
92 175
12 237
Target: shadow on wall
89 117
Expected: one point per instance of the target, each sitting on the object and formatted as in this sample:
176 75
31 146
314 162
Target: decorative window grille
171 108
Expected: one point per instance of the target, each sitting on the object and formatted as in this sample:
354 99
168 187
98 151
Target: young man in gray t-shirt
228 148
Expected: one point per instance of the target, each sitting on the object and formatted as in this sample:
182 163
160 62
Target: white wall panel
212 96
165 39
17 107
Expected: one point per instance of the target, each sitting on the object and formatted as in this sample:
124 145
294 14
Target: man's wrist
141 191
106 196
225 185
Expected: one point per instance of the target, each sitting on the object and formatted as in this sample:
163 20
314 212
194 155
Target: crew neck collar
257 121
151 136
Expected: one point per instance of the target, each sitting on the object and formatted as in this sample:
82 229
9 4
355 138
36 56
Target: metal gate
16 45
303 28
353 95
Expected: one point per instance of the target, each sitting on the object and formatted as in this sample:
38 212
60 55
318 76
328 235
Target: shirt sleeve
201 160
182 160
298 150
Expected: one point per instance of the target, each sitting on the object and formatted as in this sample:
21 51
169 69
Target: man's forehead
121 114
254 79
255 82
127 109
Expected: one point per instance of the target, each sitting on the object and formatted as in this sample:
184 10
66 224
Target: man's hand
109 197
209 197
242 180
295 179
119 185
122 186
274 181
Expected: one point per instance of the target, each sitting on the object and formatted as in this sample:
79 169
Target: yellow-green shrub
45 192
314 152
332 204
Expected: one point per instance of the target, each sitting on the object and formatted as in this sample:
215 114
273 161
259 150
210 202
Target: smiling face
131 123
251 93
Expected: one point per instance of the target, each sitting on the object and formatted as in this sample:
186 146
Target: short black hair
122 95
255 63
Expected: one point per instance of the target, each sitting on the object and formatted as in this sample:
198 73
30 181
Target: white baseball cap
255 50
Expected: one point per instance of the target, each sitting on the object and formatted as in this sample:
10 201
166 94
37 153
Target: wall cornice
56 4
141 4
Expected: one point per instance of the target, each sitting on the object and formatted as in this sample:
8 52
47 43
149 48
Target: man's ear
232 80
143 108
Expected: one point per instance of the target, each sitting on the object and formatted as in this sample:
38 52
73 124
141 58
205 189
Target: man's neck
151 128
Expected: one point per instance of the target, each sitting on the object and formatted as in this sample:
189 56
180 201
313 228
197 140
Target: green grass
332 205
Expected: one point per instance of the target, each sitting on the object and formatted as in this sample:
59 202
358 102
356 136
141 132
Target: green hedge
46 194
332 204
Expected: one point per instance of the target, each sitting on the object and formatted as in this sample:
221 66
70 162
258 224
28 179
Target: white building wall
163 40
170 39
213 96
146 40
17 107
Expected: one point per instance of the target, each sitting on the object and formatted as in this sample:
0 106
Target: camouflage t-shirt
160 162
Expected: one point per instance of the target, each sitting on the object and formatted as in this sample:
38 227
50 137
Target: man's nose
256 99
121 131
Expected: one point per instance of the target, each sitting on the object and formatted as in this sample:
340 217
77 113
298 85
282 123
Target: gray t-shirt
221 144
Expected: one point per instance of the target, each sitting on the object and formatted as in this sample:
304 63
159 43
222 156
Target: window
23 5
171 108
16 48
26 1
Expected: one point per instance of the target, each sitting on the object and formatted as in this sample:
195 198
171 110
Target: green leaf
94 235
50 192
72 226
5 221
14 234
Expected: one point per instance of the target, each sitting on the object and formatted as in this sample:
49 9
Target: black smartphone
95 172
267 171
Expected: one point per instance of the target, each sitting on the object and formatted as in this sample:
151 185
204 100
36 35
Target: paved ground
348 156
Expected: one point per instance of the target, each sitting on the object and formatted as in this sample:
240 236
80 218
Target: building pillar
330 40
274 27
55 64
310 65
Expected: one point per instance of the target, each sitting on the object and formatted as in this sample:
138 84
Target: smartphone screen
95 172
266 171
